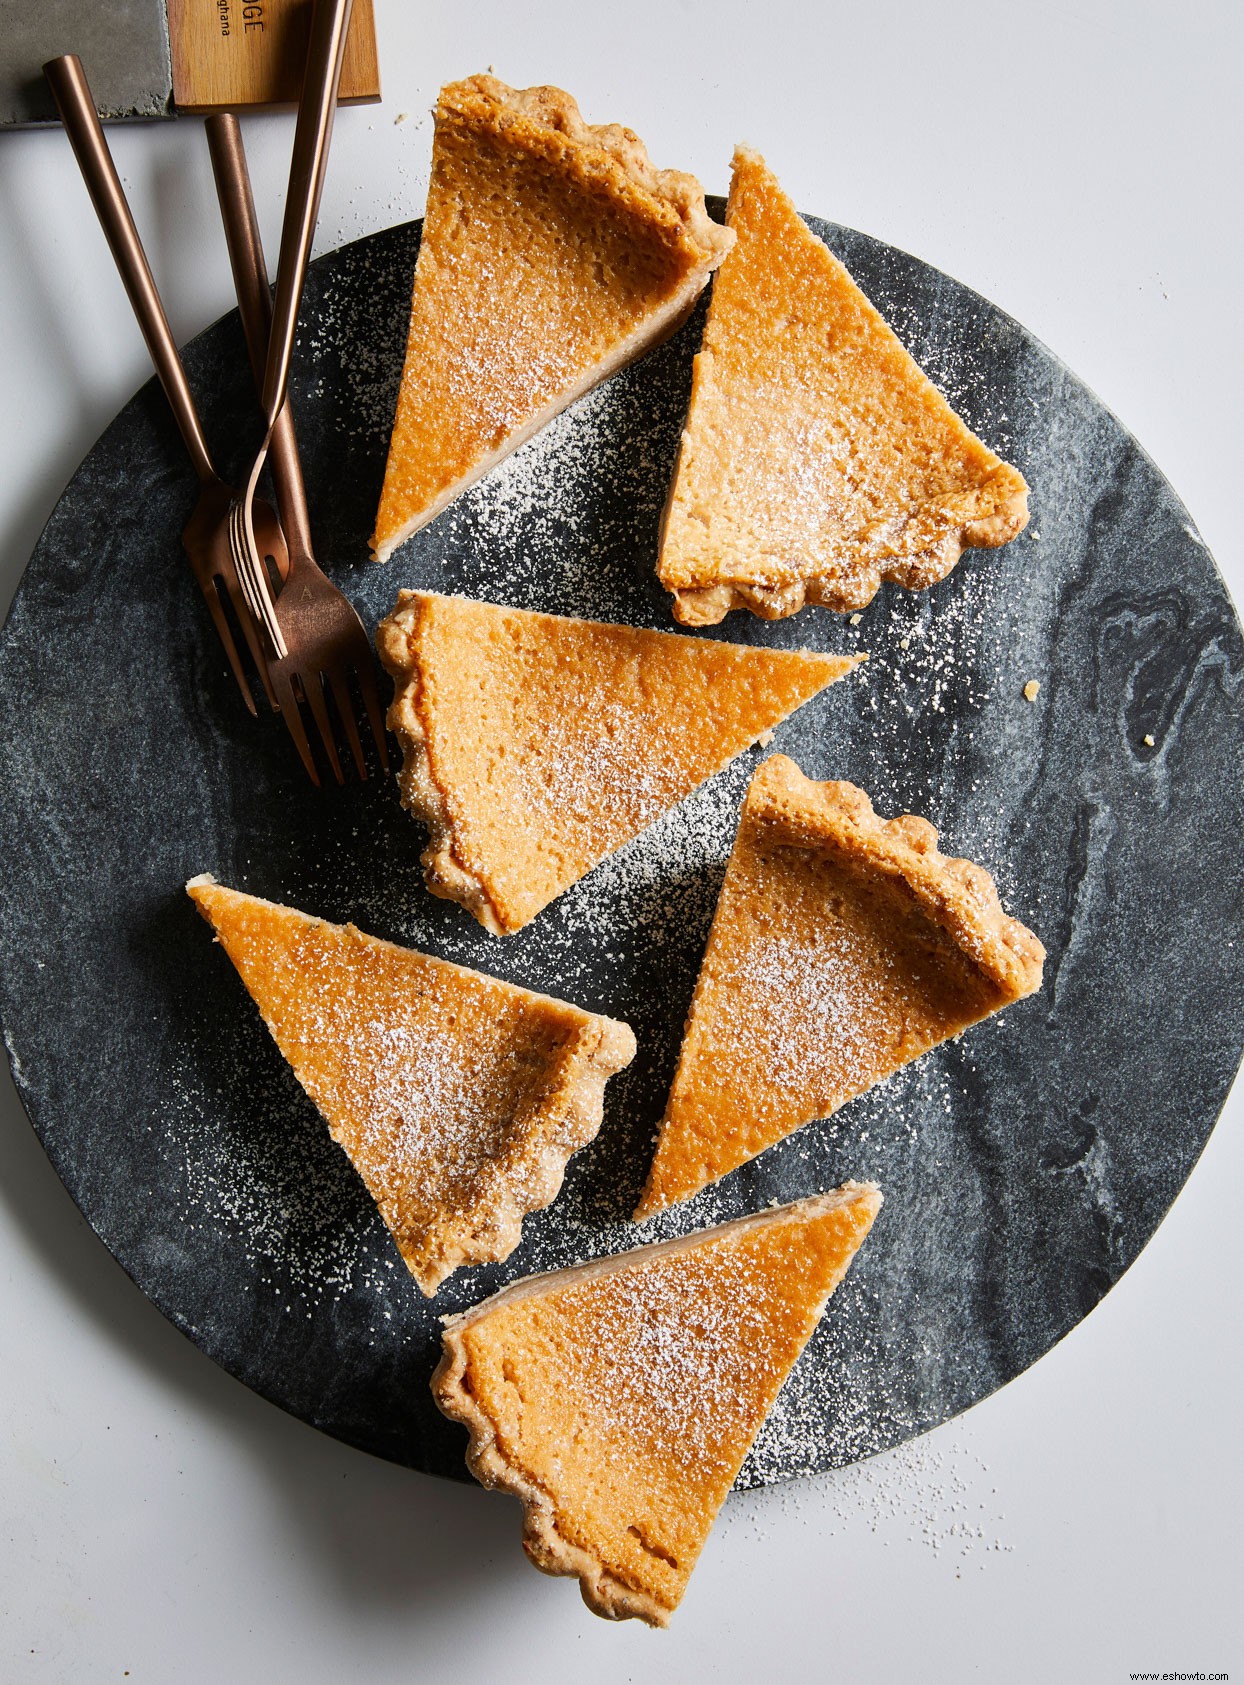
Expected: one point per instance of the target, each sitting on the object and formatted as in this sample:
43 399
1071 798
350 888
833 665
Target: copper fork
317 106
326 640
206 537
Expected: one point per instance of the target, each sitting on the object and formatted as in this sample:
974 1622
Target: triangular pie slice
534 745
619 1399
553 254
843 947
817 458
458 1098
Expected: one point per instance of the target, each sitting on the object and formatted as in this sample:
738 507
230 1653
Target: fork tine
292 715
252 638
345 708
249 564
211 596
313 691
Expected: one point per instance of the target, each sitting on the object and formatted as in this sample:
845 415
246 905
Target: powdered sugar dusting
818 991
675 1356
578 552
276 1186
432 1119
632 763
435 1067
934 1494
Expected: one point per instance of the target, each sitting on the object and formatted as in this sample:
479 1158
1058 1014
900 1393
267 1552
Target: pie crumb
1032 690
856 618
1149 742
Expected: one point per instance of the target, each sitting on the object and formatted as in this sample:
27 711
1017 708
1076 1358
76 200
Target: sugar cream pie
843 946
817 459
458 1098
618 1400
535 745
553 254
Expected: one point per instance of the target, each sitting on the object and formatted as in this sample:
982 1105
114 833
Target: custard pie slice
457 1098
619 1399
534 745
843 947
817 459
553 254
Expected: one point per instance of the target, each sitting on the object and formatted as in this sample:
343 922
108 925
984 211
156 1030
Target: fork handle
317 107
67 80
250 282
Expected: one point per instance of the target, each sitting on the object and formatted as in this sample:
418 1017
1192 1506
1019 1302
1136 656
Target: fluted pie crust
457 1097
553 254
618 1399
817 459
843 946
534 745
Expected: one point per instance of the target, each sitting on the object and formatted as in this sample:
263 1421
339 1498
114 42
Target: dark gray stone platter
1024 1167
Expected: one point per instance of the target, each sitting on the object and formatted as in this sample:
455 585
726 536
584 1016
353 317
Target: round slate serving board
1024 1167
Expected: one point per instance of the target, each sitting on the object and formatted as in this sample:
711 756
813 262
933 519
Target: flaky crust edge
574 1107
445 874
572 1113
608 159
847 593
548 120
879 553
422 797
960 895
552 1554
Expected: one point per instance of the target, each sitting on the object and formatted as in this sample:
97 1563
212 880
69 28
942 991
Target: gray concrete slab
123 45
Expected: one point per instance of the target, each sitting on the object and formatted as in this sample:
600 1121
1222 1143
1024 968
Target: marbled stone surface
1024 1166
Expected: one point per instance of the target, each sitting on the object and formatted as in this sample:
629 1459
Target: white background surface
1079 163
